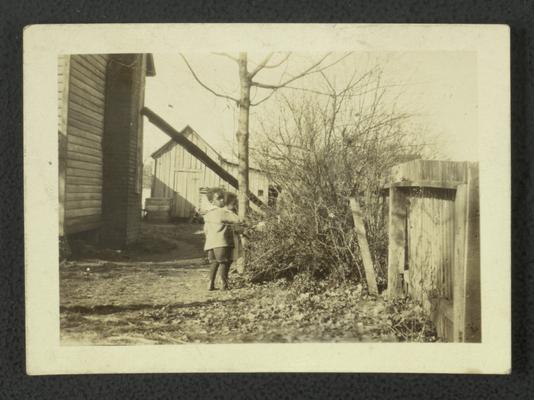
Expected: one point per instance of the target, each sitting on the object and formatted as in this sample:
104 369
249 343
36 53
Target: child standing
219 237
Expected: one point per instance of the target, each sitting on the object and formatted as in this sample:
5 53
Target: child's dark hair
229 198
214 192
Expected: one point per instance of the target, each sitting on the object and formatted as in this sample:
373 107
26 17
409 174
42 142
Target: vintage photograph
280 197
267 197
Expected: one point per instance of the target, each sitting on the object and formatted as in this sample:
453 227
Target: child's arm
229 217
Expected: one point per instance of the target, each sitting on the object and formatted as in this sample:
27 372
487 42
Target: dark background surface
14 384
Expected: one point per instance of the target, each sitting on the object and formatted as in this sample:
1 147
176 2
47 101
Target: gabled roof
190 131
186 131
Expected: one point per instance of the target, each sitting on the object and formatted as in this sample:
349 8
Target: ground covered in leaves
155 292
167 303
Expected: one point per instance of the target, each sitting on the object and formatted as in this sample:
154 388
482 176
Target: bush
319 154
304 243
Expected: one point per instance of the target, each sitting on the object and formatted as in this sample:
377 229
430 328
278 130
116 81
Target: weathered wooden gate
434 243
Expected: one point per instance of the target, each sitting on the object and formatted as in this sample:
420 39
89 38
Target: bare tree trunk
242 135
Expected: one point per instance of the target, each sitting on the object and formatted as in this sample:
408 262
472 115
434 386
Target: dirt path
136 303
155 292
110 303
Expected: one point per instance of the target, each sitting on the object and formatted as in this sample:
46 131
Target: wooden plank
84 189
86 102
83 180
63 90
87 143
83 149
85 68
428 170
80 225
95 64
88 89
472 259
78 204
361 234
89 77
83 196
96 100
63 64
425 183
100 58
86 132
460 223
95 116
83 165
90 63
397 241
90 81
90 159
197 152
80 212
84 122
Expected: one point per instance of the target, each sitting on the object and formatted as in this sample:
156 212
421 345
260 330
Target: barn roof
186 131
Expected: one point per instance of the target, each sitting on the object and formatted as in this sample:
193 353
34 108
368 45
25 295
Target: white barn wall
179 175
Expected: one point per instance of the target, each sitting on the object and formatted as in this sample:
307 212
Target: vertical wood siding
62 106
85 128
431 232
430 244
180 176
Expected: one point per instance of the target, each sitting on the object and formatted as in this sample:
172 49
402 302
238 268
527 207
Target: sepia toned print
269 197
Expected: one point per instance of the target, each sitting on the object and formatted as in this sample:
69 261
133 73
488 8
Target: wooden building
180 176
434 254
100 144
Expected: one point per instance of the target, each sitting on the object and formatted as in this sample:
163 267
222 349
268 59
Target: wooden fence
434 253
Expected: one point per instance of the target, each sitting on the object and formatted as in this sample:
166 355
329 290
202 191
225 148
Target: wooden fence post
397 240
460 222
466 296
361 234
472 259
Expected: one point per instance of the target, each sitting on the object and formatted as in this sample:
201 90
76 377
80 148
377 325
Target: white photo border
43 44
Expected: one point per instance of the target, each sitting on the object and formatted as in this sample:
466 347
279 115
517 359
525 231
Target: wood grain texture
442 254
361 234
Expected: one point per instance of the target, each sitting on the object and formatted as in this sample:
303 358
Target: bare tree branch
227 56
283 60
264 65
260 66
206 86
264 99
312 69
308 90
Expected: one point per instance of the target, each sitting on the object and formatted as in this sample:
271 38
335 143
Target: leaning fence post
359 227
396 241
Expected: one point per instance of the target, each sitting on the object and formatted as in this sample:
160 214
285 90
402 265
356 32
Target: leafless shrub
324 148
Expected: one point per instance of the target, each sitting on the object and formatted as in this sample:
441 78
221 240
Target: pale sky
439 88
